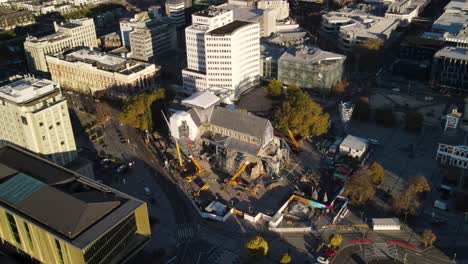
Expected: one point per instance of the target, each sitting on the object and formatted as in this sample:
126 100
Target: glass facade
112 243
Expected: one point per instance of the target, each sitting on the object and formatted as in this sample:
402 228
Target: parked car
122 168
373 141
323 260
428 98
330 252
147 190
396 90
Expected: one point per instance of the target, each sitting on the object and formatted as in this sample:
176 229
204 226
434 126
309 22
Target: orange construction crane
233 179
179 156
293 140
203 188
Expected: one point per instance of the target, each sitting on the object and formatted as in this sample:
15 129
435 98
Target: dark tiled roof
239 121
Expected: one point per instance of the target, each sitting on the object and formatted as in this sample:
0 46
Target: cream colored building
75 33
281 7
56 216
89 71
34 115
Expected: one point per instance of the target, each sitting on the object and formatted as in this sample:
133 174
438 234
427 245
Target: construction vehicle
179 156
196 193
293 141
233 180
199 169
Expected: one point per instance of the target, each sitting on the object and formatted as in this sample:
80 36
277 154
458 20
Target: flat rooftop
244 13
229 29
310 54
453 53
211 12
70 25
87 55
26 90
58 200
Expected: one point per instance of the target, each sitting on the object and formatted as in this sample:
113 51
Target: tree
336 240
367 54
414 121
137 113
341 87
286 259
359 188
428 238
362 109
103 112
418 185
274 88
292 89
377 173
300 114
384 116
257 247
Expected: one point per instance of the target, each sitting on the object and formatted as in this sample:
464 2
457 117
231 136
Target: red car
330 252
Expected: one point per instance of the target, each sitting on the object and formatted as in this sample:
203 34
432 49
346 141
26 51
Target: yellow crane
179 156
197 165
233 179
196 193
293 140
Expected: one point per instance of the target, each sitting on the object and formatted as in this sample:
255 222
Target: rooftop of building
229 29
201 100
453 53
272 52
354 142
70 25
103 61
362 23
211 11
62 202
27 89
309 54
251 14
454 19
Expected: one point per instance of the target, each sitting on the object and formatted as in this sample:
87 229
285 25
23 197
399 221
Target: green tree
362 109
384 116
300 114
285 259
257 247
418 185
414 121
359 188
336 240
274 88
292 89
137 113
377 173
408 200
341 87
428 238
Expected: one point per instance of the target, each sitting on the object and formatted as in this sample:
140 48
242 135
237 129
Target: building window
26 227
50 127
24 120
58 123
62 142
59 250
41 124
13 227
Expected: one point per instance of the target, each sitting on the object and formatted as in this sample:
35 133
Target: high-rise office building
34 115
57 216
75 33
222 53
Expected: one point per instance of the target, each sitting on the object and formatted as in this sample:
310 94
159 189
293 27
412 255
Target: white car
373 141
147 191
323 260
396 89
428 98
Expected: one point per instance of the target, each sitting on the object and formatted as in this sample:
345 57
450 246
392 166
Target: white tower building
222 54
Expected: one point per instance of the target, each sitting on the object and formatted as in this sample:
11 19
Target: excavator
198 169
293 141
233 180
196 193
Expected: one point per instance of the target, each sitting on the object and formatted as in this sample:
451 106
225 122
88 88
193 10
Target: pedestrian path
220 256
186 233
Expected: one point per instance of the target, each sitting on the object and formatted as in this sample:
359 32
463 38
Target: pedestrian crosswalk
186 233
220 256
380 251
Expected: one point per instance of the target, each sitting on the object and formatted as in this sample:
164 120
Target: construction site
229 161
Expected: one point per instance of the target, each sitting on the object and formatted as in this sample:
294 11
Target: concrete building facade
175 10
280 7
450 68
88 71
75 33
10 19
57 216
34 115
222 53
312 68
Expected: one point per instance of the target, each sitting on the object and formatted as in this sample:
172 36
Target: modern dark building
57 216
450 69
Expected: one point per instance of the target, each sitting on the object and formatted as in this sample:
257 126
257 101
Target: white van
440 205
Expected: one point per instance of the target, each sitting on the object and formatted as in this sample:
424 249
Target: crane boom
179 155
206 186
233 179
293 140
198 167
